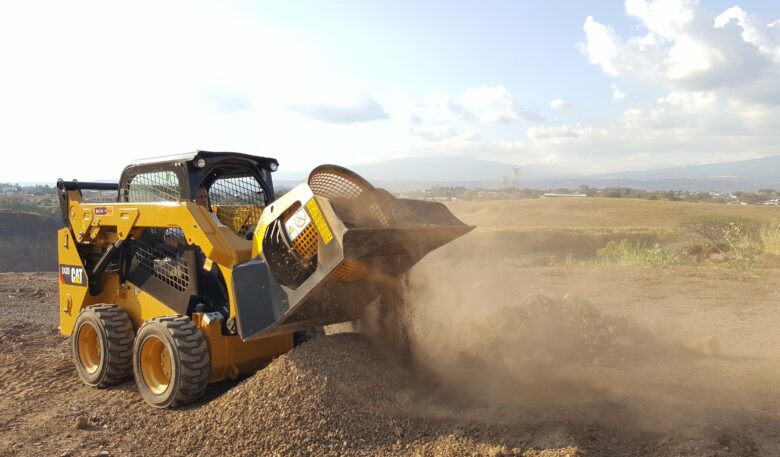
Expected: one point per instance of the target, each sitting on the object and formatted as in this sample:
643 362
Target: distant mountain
419 173
743 175
765 169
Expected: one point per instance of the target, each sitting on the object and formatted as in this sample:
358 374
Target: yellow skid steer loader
192 271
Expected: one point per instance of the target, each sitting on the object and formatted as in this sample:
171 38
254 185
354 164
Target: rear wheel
102 345
171 362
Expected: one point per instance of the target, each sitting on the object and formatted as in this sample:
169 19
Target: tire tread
194 358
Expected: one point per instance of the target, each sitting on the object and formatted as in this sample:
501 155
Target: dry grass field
512 354
597 213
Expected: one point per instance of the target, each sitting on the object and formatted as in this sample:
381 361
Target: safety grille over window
238 202
156 252
158 186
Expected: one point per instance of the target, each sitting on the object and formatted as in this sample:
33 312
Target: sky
571 87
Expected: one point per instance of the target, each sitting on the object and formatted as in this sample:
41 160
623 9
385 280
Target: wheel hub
89 348
155 365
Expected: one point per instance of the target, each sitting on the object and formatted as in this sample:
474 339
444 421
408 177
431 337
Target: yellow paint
155 364
73 298
319 221
89 348
230 356
140 305
257 239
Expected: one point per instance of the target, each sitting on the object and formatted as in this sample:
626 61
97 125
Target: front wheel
171 362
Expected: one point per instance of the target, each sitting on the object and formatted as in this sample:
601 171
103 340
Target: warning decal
297 223
319 221
72 275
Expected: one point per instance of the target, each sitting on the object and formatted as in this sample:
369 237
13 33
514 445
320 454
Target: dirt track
573 371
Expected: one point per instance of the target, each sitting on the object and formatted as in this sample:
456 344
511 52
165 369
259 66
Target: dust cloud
508 356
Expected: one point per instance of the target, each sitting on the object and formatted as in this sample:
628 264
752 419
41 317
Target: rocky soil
344 394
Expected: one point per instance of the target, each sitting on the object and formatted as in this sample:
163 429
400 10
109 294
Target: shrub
722 232
741 241
770 238
627 253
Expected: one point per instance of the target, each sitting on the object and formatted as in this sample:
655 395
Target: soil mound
337 395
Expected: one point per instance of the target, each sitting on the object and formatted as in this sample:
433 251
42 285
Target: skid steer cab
190 270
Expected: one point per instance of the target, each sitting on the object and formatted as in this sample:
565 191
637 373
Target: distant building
442 199
10 190
553 194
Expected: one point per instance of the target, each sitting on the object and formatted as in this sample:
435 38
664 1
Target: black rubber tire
190 361
115 339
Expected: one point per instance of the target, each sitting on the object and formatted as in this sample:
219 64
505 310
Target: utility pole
516 177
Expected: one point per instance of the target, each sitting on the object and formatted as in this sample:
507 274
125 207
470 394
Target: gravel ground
335 395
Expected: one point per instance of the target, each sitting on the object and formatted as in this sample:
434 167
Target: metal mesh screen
156 252
238 202
336 182
158 186
332 181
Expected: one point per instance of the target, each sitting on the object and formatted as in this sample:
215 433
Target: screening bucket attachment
327 249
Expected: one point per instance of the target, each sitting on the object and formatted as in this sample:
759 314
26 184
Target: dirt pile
337 395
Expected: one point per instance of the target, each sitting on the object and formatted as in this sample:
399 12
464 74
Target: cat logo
72 275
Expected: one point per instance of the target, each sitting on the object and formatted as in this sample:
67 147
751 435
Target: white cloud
680 128
483 104
667 18
559 103
686 47
687 112
364 109
602 46
754 32
617 94
494 105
